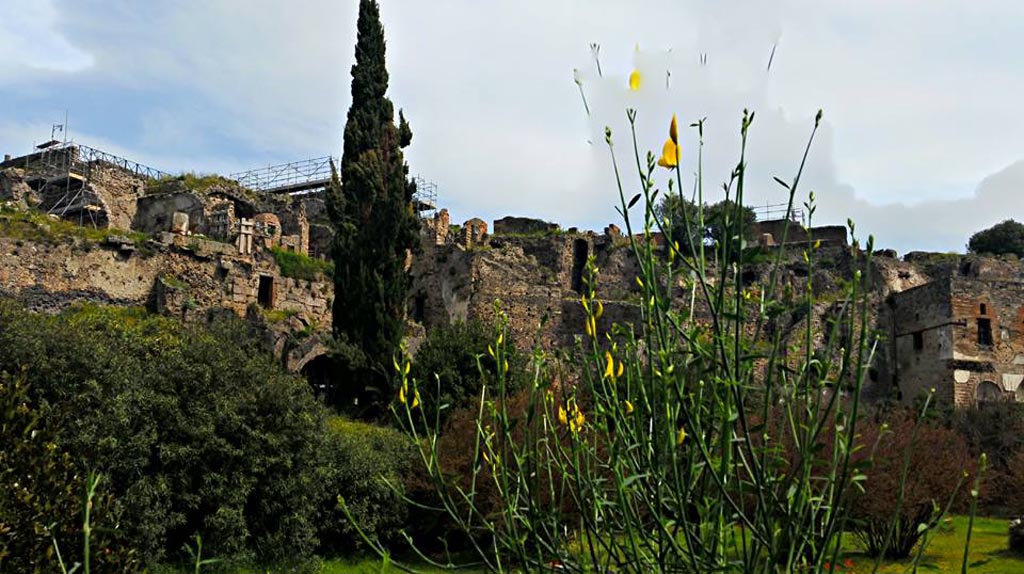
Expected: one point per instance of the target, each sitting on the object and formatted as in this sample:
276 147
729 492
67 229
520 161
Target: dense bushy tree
678 211
371 208
1001 238
42 491
453 364
196 428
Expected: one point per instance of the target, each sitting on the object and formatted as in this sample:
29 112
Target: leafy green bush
1005 237
367 466
198 429
453 364
301 266
41 500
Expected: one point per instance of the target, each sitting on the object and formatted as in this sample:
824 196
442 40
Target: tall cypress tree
372 211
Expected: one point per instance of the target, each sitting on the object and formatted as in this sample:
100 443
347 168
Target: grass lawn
945 551
944 554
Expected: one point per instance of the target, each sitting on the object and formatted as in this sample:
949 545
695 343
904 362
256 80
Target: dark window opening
265 295
580 253
918 341
984 332
983 309
419 308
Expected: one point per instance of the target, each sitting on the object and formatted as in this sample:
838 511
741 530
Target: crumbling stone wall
119 191
155 213
523 226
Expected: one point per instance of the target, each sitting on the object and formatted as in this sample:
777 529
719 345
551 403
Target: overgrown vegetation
197 430
35 226
1001 238
455 363
197 182
301 266
693 440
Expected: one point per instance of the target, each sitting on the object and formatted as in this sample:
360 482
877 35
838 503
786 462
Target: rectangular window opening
265 295
985 332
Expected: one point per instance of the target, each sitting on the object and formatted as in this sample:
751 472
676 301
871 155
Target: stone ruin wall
534 268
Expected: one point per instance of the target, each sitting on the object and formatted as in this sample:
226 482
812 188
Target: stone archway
987 392
319 373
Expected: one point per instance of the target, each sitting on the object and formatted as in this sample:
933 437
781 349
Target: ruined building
189 245
962 334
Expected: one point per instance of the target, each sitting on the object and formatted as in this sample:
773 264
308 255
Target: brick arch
987 391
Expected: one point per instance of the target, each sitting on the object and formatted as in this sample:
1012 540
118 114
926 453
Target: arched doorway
987 392
318 373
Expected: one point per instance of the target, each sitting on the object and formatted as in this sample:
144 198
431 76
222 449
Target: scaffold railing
91 156
770 212
287 177
71 157
311 174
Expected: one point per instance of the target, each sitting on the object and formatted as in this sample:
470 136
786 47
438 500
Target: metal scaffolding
315 174
62 171
305 175
770 212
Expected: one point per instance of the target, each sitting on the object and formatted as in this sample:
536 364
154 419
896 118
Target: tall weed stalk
699 438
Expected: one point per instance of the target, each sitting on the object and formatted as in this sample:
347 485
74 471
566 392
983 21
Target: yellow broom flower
670 155
670 152
402 391
571 416
629 407
680 436
609 366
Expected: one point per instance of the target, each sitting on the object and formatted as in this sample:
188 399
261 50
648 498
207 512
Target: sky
921 143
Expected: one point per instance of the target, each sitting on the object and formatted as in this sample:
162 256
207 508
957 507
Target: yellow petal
670 154
490 350
583 300
506 366
401 393
562 416
634 80
680 436
501 337
415 400
394 362
407 365
629 407
578 421
622 368
599 310
673 130
609 365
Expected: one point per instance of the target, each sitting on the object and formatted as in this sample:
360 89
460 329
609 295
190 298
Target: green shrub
453 364
198 429
41 495
367 466
301 266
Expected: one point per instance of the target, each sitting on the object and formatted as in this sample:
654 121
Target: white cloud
919 96
29 39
